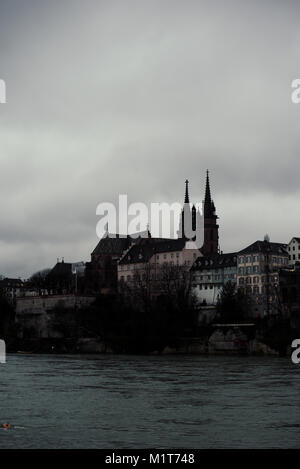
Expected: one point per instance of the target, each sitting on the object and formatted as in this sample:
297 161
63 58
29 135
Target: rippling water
142 402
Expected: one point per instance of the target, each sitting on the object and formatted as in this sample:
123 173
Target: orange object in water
7 426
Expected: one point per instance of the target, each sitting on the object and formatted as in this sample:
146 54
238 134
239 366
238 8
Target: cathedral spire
207 189
211 228
187 198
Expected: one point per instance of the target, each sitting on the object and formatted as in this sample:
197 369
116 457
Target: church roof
144 250
61 269
116 244
112 245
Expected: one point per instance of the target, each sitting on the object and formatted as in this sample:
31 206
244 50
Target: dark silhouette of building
190 218
101 274
211 228
60 279
290 291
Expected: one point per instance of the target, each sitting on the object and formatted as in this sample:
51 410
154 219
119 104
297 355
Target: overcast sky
133 97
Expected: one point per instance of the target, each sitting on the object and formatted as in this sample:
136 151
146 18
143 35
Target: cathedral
191 220
102 271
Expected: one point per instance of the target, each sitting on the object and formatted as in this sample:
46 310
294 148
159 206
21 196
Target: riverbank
221 341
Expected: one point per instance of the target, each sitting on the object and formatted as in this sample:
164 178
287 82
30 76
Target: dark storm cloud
134 97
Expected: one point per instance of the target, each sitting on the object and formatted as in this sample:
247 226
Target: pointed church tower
187 197
185 219
211 228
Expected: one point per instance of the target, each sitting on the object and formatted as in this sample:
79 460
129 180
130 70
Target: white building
293 249
210 274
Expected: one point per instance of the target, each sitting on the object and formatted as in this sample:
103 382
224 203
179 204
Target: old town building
210 274
293 249
258 267
151 261
102 272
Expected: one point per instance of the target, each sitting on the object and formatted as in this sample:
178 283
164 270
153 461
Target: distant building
289 280
293 249
65 278
210 274
102 272
149 261
258 267
12 288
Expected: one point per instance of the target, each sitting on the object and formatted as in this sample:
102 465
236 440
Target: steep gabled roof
264 247
112 245
61 269
146 248
170 245
116 244
138 253
215 261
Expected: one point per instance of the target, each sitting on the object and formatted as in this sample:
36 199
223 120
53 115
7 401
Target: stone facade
33 313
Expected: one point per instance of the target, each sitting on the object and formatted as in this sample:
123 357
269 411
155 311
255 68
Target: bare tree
151 281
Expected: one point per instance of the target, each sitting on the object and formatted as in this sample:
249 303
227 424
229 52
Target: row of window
217 277
255 269
146 277
294 257
165 256
258 258
171 263
248 259
249 280
256 290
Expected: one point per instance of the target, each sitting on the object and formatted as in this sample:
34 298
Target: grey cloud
134 97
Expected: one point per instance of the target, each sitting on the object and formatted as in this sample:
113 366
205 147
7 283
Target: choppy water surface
146 402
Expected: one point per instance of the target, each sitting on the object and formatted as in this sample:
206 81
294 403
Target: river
110 401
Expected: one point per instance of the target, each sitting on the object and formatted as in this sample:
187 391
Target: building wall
208 283
293 249
32 312
257 276
185 258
